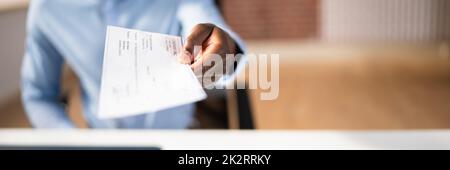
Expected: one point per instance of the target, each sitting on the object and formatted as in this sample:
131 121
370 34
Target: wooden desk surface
372 89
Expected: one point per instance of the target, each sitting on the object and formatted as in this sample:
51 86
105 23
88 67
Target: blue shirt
73 32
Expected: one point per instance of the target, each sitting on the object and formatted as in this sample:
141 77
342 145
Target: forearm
40 83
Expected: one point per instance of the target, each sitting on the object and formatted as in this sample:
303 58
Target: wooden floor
407 88
334 87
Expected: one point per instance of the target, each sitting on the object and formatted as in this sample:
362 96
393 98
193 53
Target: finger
206 56
185 57
214 45
198 35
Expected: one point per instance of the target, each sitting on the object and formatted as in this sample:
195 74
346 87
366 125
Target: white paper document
141 74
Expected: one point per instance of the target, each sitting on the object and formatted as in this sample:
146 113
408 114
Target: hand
205 41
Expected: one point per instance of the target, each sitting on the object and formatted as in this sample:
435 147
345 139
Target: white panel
385 20
12 33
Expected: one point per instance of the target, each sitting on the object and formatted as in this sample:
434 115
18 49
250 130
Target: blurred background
344 64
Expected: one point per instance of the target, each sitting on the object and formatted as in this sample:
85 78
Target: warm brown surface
12 114
396 90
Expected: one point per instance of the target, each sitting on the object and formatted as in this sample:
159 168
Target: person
73 32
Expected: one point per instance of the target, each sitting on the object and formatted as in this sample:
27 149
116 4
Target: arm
41 72
192 15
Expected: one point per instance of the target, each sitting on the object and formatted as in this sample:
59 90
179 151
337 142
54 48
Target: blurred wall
425 21
12 33
410 21
272 19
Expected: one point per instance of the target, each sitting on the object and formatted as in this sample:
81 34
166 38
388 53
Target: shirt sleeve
40 81
193 12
